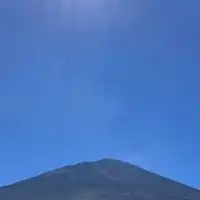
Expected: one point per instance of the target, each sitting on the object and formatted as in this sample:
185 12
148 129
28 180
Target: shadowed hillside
106 179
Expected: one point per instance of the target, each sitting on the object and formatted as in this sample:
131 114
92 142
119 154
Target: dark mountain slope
102 180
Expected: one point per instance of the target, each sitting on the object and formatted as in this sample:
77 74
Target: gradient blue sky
82 80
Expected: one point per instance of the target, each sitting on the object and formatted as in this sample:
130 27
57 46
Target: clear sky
83 80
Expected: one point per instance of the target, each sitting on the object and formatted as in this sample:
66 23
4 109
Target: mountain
106 179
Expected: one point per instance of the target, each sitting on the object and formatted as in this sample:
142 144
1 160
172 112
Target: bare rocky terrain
106 179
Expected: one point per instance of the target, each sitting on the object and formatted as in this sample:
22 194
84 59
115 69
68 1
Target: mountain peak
111 160
103 160
105 179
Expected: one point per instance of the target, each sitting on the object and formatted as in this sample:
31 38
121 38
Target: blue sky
93 79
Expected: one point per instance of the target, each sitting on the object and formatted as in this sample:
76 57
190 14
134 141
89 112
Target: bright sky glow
82 80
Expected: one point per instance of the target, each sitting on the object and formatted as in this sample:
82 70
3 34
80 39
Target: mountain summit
106 179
